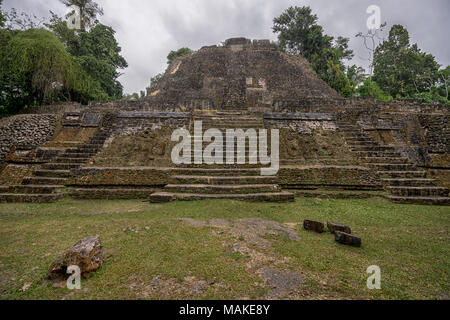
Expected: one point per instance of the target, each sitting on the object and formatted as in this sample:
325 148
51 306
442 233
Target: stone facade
326 141
25 130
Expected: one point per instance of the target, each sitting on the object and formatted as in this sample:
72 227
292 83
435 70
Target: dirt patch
254 239
281 283
250 230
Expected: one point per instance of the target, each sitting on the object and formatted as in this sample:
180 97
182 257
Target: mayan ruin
224 159
328 145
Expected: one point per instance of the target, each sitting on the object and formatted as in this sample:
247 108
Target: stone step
362 143
384 160
230 121
373 148
376 154
269 197
52 173
440 201
357 139
29 189
223 127
71 160
217 171
226 180
409 182
219 166
356 136
231 116
392 166
90 151
402 174
95 146
74 155
33 198
60 166
224 157
44 181
111 193
350 130
217 189
233 119
347 125
96 141
418 191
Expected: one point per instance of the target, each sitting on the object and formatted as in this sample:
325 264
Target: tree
299 34
356 75
372 90
402 69
89 10
154 81
371 41
35 68
97 51
444 79
178 53
99 55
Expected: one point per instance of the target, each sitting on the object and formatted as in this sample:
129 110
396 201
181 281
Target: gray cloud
148 30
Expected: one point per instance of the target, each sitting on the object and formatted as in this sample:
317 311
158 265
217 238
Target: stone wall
104 176
25 130
343 177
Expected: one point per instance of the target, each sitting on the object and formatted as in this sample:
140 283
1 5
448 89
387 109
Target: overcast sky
148 29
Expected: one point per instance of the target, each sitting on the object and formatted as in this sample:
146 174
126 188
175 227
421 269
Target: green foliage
443 82
154 81
371 89
130 97
299 33
178 53
356 75
36 69
402 69
97 51
89 10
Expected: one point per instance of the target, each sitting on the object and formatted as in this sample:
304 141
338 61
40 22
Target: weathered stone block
312 225
87 254
347 239
334 226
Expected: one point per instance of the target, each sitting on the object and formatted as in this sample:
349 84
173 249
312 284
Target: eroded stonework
122 149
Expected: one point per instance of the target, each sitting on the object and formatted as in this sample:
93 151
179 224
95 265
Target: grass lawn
219 254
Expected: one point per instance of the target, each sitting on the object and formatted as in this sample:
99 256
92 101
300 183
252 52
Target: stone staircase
225 181
47 183
402 180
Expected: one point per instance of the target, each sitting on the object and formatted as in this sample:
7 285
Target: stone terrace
329 146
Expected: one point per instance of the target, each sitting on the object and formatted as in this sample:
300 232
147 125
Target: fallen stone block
347 239
87 254
312 225
334 226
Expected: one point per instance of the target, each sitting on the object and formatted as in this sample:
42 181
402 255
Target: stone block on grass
347 239
312 225
334 226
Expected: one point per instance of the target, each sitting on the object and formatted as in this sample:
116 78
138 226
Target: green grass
410 243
